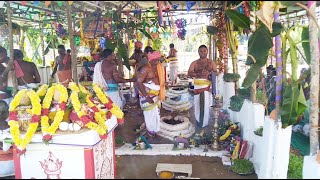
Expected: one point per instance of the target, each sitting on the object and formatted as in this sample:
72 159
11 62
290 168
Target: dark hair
171 45
203 46
105 53
4 110
61 47
2 50
17 54
148 49
69 51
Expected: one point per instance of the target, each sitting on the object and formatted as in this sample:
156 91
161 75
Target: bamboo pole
73 50
15 83
253 89
279 77
42 44
314 83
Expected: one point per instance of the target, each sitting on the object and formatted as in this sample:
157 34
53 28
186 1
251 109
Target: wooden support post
314 83
73 50
15 83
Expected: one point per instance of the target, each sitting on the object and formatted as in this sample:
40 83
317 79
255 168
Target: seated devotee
149 92
200 70
173 64
63 66
107 76
26 72
4 69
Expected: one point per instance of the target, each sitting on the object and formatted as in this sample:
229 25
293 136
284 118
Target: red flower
109 105
109 114
47 137
85 119
63 106
105 136
35 119
120 121
110 100
95 109
13 115
45 112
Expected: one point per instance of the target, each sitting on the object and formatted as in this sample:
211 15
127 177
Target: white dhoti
151 112
29 86
115 97
174 70
202 102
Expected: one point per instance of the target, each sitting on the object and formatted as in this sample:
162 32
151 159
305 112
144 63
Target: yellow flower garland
115 110
14 123
47 129
42 90
100 128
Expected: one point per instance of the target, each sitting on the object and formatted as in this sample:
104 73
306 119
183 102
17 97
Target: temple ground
143 167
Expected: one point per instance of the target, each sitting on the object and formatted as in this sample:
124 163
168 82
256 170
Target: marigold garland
42 90
47 129
100 126
113 108
34 122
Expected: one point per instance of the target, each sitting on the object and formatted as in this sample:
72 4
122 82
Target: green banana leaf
294 58
252 75
276 29
293 105
238 19
259 45
110 45
306 44
123 53
146 34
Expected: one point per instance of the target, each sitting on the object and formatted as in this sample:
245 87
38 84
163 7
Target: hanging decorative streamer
190 4
47 3
246 8
23 3
240 9
278 65
36 3
160 17
175 6
60 3
70 3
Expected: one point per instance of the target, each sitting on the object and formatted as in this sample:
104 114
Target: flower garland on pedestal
104 98
42 90
49 130
14 123
100 126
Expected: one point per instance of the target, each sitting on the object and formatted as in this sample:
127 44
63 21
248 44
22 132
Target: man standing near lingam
173 64
107 76
150 83
200 70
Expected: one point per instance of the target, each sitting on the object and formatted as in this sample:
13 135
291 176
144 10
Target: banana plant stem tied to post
314 83
279 77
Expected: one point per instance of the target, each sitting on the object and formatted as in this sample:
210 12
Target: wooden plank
176 168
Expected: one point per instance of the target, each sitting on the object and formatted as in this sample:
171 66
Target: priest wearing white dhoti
200 71
107 76
173 64
150 91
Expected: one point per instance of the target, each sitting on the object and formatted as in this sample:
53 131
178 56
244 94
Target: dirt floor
143 167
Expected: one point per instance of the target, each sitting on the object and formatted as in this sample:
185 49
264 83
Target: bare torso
202 68
107 69
31 74
61 66
151 74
